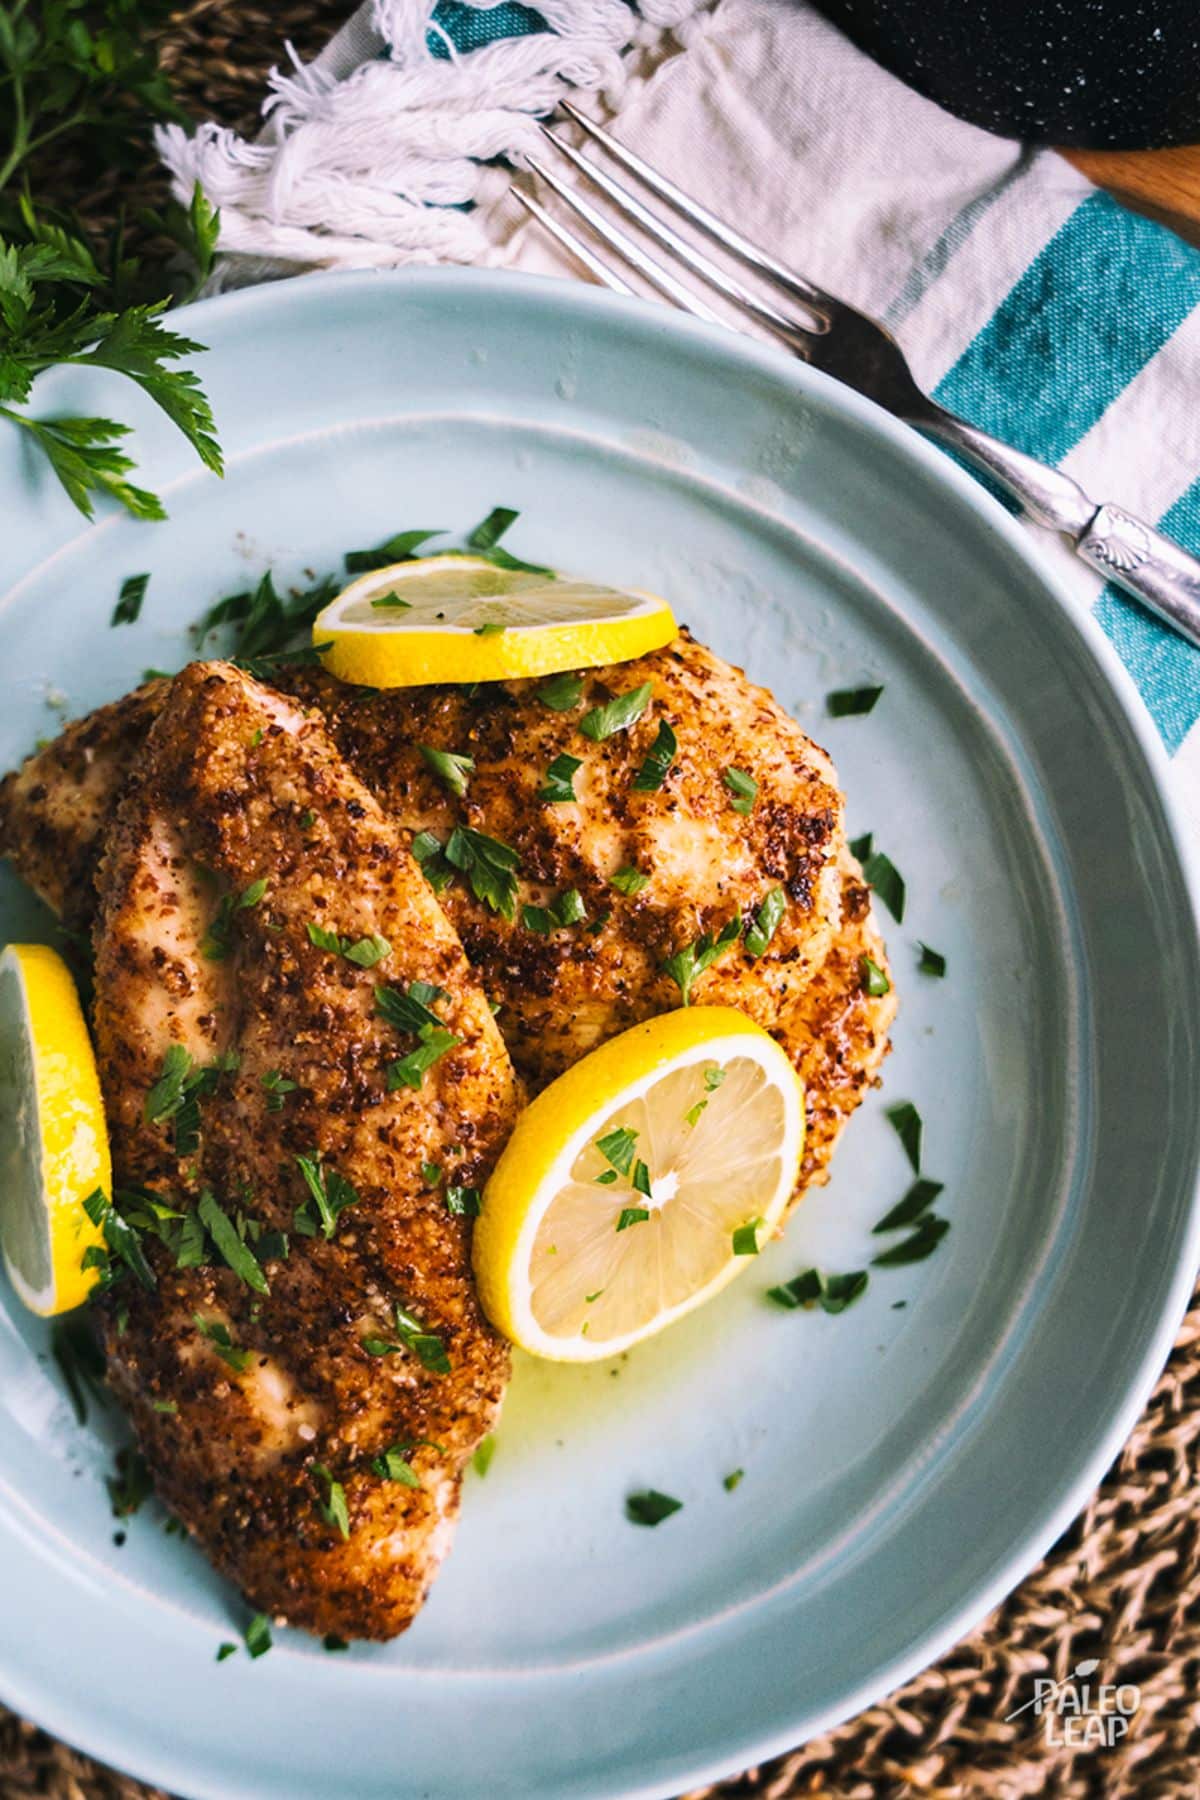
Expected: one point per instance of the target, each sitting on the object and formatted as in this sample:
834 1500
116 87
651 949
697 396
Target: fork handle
1130 553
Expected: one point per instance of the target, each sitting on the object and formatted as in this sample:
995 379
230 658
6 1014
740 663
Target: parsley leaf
872 978
767 921
409 1010
629 881
932 961
883 875
426 1346
489 866
409 1071
218 941
924 1241
559 786
617 714
330 1195
402 547
217 1334
905 1121
230 1245
743 787
332 1505
129 600
658 760
844 703
450 767
688 964
651 1508
919 1198
560 692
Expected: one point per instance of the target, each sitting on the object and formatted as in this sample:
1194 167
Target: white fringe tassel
367 152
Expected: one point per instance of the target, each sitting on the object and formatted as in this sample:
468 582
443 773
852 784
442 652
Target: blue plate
905 1462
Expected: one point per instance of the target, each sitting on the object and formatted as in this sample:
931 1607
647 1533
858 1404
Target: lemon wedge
460 618
637 1185
53 1138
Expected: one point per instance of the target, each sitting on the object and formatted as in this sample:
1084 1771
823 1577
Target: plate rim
1173 831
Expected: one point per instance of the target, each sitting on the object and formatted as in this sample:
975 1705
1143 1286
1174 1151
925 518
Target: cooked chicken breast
707 863
55 809
268 1372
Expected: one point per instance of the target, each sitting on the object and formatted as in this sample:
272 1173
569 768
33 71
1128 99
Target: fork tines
808 317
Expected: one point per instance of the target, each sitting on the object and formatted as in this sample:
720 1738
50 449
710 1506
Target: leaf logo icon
1086 1668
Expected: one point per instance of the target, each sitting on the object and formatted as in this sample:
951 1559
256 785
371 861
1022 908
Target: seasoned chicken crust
559 996
238 787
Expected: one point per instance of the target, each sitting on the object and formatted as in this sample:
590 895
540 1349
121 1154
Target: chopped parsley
485 1449
919 1198
226 1650
130 1486
745 1238
217 1334
651 1508
463 1202
80 1361
489 866
932 961
658 760
905 1121
732 1479
743 787
364 952
484 539
409 1009
767 921
713 1077
561 692
276 1086
329 1196
559 786
393 1465
845 703
923 1241
872 978
257 1635
166 1096
608 1177
692 1115
632 1215
568 909
883 875
391 602
426 1346
689 963
617 714
450 767
860 847
129 600
428 851
431 1173
617 1146
402 547
834 1293
490 628
331 1505
122 1241
231 1247
409 1071
629 880
332 1642
218 940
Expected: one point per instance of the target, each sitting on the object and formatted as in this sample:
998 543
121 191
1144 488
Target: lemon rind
65 1073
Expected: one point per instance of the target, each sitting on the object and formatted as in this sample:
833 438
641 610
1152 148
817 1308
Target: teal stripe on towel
1092 309
1089 312
1166 669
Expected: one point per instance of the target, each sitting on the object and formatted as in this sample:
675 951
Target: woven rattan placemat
1122 1586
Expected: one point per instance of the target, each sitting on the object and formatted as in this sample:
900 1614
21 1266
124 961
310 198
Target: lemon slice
573 1258
53 1138
459 618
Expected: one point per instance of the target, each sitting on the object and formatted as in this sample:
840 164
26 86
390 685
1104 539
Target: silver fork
845 343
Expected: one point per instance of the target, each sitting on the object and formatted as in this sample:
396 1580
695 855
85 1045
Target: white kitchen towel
1026 300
